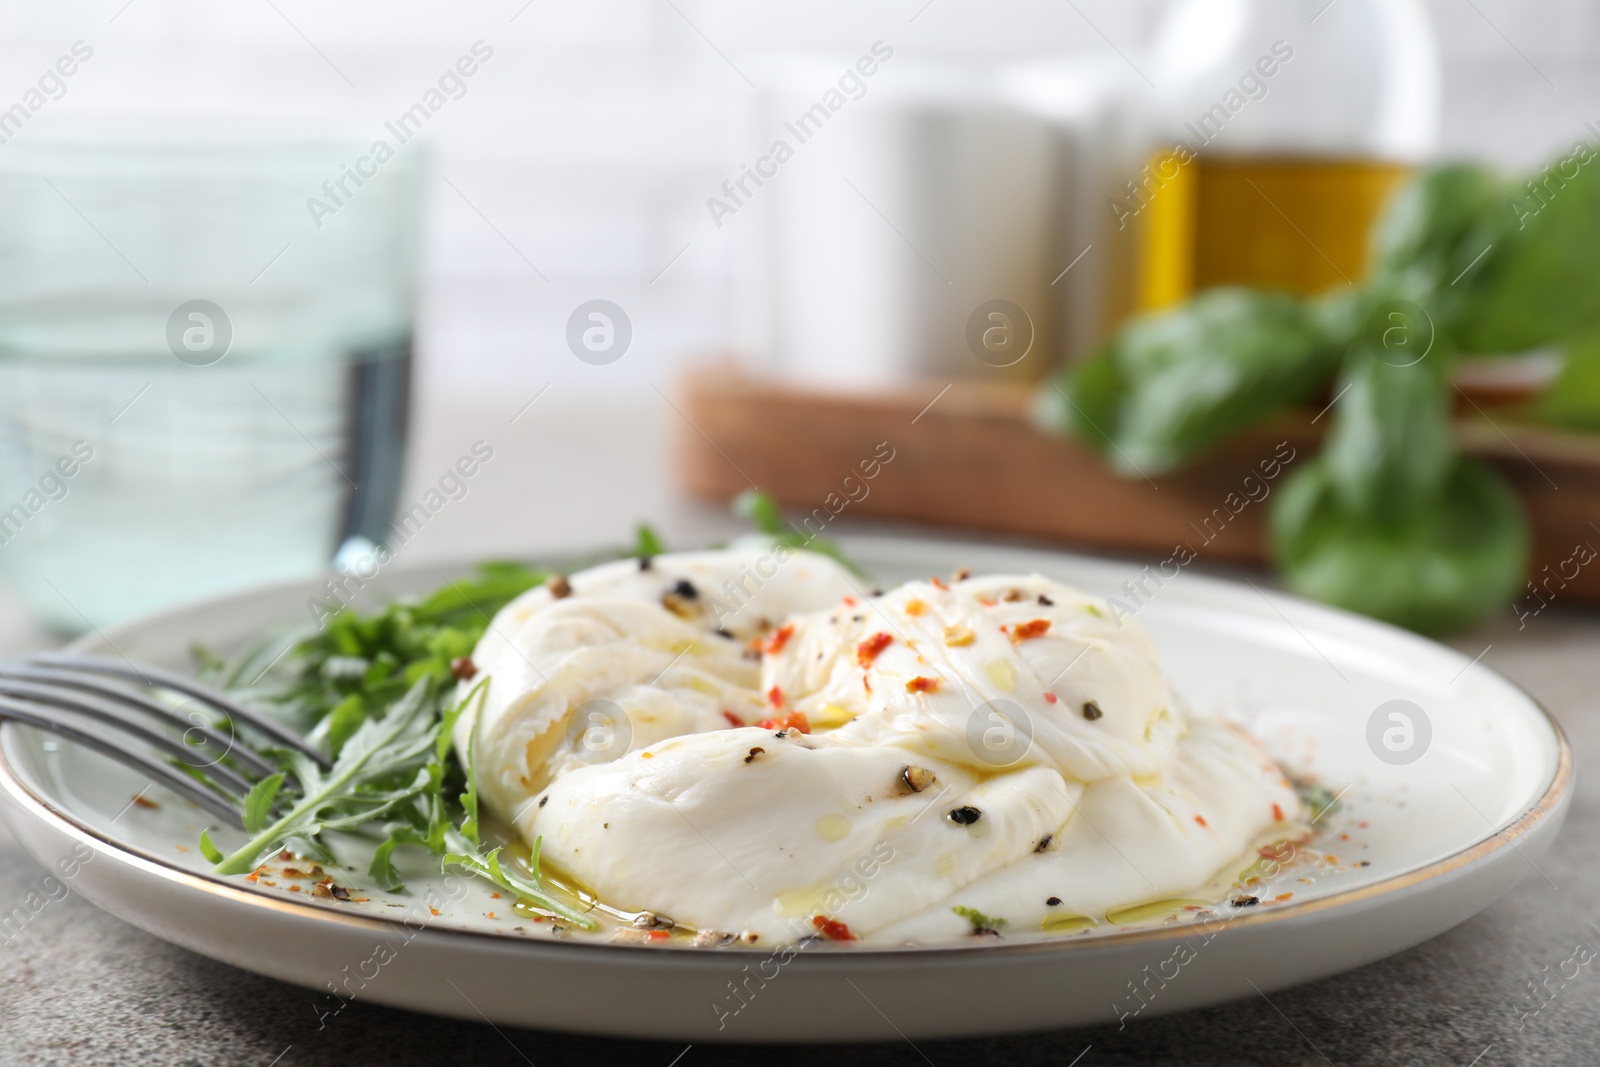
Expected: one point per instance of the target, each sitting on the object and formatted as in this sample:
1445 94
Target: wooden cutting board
966 456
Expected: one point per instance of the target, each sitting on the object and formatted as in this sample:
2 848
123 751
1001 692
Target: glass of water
205 361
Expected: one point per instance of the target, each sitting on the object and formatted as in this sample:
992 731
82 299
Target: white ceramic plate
1413 849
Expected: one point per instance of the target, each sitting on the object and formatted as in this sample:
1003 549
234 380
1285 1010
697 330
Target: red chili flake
922 684
494 896
866 683
775 697
1032 628
1283 896
986 602
733 720
1362 825
660 935
937 584
916 607
1277 813
795 720
1201 819
463 668
868 650
832 929
779 638
488 915
252 876
294 889
1050 697
433 911
849 601
142 801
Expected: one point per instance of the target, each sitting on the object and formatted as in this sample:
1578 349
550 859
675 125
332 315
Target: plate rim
1550 802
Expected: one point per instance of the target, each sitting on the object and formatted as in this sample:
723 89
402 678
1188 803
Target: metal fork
103 704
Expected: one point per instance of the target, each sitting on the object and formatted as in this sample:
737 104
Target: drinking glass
205 358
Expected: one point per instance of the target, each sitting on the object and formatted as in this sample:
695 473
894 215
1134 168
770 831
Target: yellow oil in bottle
1301 224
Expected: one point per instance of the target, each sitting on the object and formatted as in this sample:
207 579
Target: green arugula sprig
761 509
375 690
381 767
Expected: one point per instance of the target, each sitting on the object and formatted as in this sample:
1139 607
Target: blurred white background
586 148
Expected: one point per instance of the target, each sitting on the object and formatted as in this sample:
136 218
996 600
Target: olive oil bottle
1282 127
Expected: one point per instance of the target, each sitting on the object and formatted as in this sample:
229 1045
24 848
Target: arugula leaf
487 865
981 923
761 509
360 663
1170 386
381 870
258 805
647 542
469 799
1442 563
380 767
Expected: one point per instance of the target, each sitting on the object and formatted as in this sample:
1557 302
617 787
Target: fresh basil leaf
1085 401
1431 231
1390 443
1572 401
1442 564
1537 284
1170 386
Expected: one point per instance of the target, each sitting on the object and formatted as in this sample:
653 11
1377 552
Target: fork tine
169 776
189 687
105 713
47 677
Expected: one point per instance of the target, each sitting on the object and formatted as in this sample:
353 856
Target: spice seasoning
868 650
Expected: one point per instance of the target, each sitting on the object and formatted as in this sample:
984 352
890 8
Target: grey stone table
79 987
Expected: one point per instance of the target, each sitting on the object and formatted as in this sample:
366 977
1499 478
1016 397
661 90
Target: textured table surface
80 987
